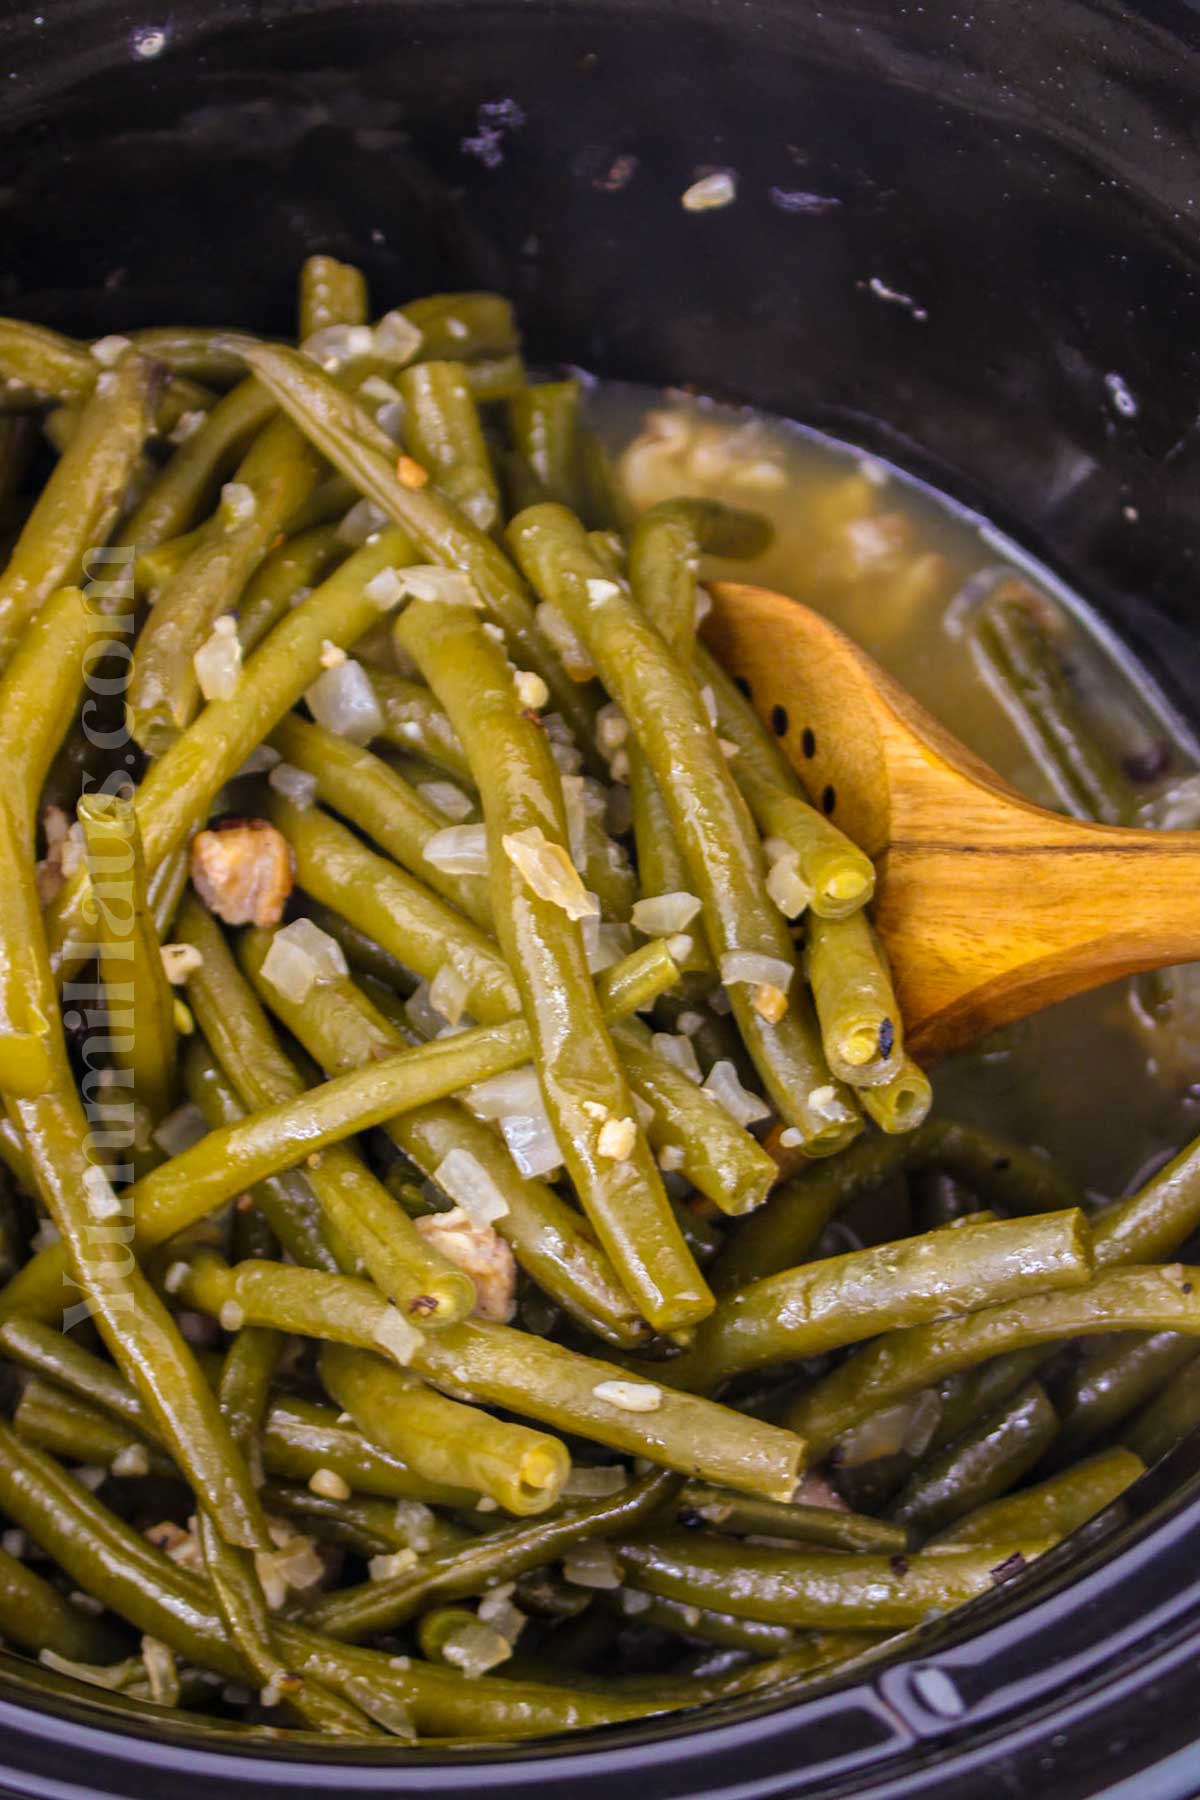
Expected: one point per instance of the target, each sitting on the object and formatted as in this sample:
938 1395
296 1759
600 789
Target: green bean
584 1090
839 875
77 507
1110 1383
604 505
229 1160
861 1027
16 451
494 378
198 351
719 1156
463 325
340 1028
399 912
362 953
154 568
382 805
77 1431
660 865
497 1366
1054 1508
187 486
999 1172
299 1438
45 361
283 579
744 1515
442 1439
1137 1299
331 293
34 1617
811 1589
459 1573
356 446
712 825
278 472
415 723
699 1625
138 996
902 1102
1169 1418
1151 1224
843 1299
361 1213
364 1523
993 1457
665 547
543 422
180 786
1017 651
442 431
784 1232
286 1202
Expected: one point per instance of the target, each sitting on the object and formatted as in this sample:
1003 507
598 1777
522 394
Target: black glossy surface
1025 175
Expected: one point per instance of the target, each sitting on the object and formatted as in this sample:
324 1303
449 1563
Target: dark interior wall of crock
1024 174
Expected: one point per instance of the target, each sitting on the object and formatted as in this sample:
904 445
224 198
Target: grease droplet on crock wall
894 297
148 41
1120 397
795 200
493 119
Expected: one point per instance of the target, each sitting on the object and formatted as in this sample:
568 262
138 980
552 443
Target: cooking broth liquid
1097 1081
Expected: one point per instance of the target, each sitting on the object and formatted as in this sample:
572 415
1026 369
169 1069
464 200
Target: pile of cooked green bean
477 1259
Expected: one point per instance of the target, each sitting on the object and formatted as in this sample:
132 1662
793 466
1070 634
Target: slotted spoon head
990 907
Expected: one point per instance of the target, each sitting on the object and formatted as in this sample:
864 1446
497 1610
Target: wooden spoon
990 907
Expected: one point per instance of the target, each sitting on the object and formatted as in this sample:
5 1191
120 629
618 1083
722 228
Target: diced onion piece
516 1091
532 692
296 785
343 701
180 1129
133 1460
329 1484
158 1660
592 1564
445 798
678 1049
497 1610
109 350
397 339
630 1396
605 944
671 1159
633 1601
710 192
415 1521
218 661
179 961
385 590
300 955
333 346
231 1316
458 850
395 1335
758 970
102 1201
429 581
908 1426
186 426
531 1142
257 763
396 1562
239 504
600 590
332 655
723 1084
570 647
448 993
549 872
474 1649
662 915
464 1178
617 1139
376 388
362 521
785 884
423 1015
612 728
595 1481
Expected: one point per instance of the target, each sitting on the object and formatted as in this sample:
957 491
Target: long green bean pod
811 1589
536 905
543 422
749 1515
78 506
998 1171
140 1002
443 1440
1111 1382
44 361
1052 1509
1169 1418
274 477
993 1457
665 546
382 805
331 293
75 1430
442 431
902 1102
356 446
1136 1299
497 1366
414 723
340 1028
843 1299
861 1027
712 824
187 485
283 579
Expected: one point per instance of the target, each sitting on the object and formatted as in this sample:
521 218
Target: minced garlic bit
186 426
218 661
231 1316
482 1254
612 729
410 474
110 350
396 1562
329 1484
395 1335
134 1459
670 1159
177 1273
238 505
331 654
617 1139
532 691
595 1109
600 589
822 1097
179 961
243 871
710 192
769 1002
548 871
630 1396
